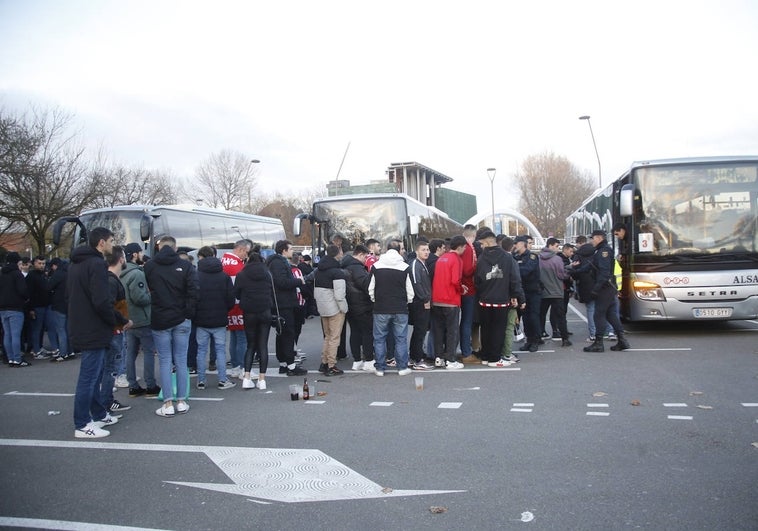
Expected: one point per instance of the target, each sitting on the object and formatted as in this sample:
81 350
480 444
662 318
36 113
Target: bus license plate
712 312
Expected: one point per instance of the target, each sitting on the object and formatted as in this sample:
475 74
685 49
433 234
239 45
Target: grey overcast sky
457 86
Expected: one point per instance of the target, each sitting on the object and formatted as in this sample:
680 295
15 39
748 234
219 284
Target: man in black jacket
91 319
39 301
13 298
359 309
58 311
173 301
421 307
285 292
215 301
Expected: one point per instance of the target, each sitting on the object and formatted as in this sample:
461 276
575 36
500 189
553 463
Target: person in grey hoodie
552 274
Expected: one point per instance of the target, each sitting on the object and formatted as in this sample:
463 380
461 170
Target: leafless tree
43 171
551 188
122 185
226 179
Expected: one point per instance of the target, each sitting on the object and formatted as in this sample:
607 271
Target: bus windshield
698 209
357 220
124 224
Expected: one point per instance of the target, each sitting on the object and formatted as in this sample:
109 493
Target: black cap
132 248
12 257
524 239
306 258
598 232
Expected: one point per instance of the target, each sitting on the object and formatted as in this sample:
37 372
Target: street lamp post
247 176
599 174
491 175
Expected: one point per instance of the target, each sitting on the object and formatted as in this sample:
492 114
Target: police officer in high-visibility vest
605 293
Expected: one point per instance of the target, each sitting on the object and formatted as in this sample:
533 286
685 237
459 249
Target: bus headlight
648 291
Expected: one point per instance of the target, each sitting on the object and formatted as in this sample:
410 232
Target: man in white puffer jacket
331 300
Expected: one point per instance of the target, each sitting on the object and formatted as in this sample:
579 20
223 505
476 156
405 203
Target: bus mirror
626 200
58 229
296 228
415 221
145 226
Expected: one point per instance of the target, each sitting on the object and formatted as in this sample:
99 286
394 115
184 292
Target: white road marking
381 404
466 388
315 402
19 393
750 404
680 417
520 410
286 475
675 404
450 405
523 404
593 404
36 523
598 414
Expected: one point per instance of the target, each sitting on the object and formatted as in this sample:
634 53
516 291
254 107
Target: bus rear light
648 291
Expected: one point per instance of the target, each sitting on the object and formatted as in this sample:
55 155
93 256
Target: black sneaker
118 407
212 366
297 371
323 368
16 364
153 391
283 369
334 371
137 391
193 370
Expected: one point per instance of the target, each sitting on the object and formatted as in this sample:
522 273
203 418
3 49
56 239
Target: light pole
247 176
599 174
491 175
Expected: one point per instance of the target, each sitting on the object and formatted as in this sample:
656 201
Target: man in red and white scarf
233 261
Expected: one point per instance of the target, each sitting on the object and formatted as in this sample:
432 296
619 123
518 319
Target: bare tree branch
551 188
226 179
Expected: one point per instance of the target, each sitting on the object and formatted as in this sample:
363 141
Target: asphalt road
659 437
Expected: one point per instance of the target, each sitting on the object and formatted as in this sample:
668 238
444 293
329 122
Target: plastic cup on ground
294 392
419 383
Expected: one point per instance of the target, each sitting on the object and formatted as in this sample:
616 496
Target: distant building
421 183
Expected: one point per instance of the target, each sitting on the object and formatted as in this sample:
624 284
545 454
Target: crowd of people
442 305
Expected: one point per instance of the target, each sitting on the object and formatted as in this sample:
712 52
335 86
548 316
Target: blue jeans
87 404
467 321
13 323
591 319
136 337
397 323
219 344
56 331
171 345
237 348
37 327
112 355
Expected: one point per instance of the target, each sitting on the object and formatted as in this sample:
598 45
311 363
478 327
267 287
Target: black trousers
420 318
493 322
285 343
361 335
257 330
446 323
605 311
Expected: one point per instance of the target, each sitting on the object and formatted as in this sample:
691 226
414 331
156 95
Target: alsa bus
384 217
690 252
192 226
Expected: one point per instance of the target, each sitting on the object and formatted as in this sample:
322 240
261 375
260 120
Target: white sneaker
226 384
121 381
404 372
108 420
368 366
454 365
248 383
379 373
439 362
357 365
261 384
499 364
182 407
165 411
485 362
91 431
235 372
